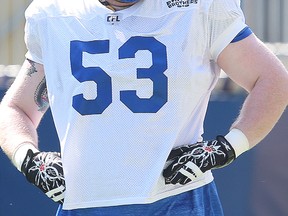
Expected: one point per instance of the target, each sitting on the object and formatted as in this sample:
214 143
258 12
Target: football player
128 83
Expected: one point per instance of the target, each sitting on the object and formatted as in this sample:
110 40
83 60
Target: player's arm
254 67
251 65
21 110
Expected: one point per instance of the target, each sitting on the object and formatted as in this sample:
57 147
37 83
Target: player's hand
188 163
44 170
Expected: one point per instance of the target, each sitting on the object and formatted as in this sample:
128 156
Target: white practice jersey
126 87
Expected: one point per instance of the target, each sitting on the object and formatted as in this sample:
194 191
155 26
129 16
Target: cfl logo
113 18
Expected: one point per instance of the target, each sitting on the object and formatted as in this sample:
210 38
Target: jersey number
104 82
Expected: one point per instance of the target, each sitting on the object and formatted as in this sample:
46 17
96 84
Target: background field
254 185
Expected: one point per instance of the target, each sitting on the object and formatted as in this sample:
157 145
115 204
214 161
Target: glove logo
42 167
189 162
44 170
46 174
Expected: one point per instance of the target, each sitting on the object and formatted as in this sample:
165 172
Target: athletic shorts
203 201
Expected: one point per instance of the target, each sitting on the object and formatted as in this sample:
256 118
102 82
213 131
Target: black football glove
188 163
45 171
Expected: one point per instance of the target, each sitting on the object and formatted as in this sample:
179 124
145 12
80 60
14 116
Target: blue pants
203 201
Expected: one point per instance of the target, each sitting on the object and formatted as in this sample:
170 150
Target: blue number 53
104 82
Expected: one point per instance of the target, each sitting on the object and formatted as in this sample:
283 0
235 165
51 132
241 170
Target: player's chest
116 43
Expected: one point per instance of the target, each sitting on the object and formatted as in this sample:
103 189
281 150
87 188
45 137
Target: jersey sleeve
226 20
31 36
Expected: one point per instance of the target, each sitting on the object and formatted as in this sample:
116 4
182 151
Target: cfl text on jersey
113 18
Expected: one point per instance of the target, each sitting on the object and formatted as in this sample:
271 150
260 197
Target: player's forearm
263 107
15 128
18 139
261 111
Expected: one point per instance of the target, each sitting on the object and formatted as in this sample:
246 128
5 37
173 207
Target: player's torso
131 59
140 78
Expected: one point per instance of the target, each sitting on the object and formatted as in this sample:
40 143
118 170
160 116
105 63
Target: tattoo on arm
41 96
32 69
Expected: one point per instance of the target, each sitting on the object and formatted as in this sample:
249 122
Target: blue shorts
203 201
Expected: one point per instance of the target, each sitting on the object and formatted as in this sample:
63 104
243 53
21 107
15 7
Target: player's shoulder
162 7
58 8
225 3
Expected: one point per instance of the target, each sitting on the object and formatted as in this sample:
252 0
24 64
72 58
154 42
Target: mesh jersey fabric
126 87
